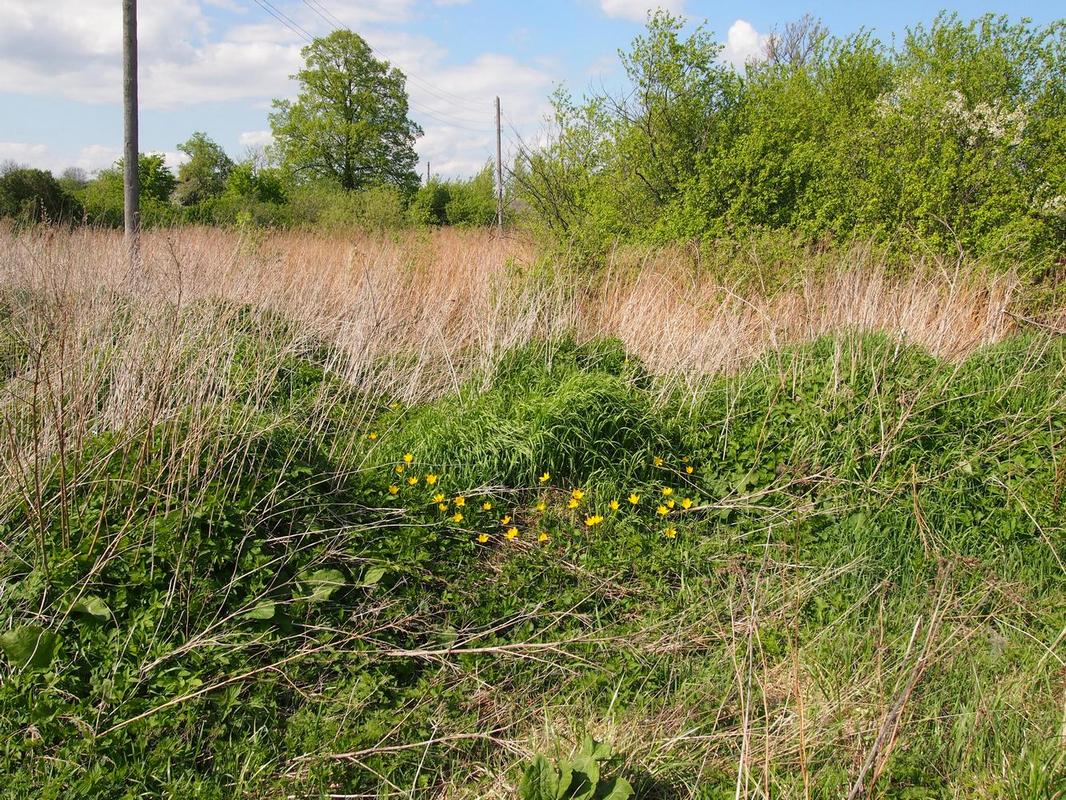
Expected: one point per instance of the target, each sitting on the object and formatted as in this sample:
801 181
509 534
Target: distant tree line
953 140
343 155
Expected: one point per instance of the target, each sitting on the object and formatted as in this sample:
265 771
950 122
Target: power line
299 31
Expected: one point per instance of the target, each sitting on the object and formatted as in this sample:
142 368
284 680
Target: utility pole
131 177
427 173
499 171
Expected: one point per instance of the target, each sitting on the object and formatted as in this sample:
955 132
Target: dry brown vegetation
457 299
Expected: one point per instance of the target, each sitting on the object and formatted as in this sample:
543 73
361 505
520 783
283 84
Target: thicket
954 139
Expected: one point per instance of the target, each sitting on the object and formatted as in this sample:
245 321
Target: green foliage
576 778
463 203
205 174
103 197
33 195
235 603
349 123
951 141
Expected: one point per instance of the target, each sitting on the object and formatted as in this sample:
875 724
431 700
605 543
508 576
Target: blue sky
214 65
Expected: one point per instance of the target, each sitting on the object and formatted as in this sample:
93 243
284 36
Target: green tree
34 195
349 123
204 175
103 198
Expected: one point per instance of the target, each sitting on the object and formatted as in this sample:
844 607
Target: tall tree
349 122
204 174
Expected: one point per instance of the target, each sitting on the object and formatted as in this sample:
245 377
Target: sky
215 65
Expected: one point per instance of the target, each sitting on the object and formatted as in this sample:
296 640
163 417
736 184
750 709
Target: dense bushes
953 139
34 195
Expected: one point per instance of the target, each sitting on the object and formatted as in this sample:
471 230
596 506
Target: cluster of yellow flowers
670 502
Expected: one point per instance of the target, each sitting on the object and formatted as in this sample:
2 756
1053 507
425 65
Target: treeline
210 188
953 139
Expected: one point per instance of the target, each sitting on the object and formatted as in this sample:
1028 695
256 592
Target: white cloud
40 156
255 138
743 43
72 49
637 10
454 102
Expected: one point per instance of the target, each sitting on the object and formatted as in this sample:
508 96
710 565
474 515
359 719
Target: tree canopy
349 123
204 174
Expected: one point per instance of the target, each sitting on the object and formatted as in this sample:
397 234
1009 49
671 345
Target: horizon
215 66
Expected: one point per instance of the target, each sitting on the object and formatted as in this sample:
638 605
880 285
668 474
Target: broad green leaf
264 610
372 576
540 780
599 751
92 606
587 775
618 789
321 584
31 647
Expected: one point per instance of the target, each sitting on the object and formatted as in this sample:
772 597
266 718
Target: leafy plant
576 778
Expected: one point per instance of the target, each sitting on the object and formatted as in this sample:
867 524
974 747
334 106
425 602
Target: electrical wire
284 19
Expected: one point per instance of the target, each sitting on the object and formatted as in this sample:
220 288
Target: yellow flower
670 503
512 533
686 504
574 503
442 506
483 537
438 497
505 519
393 489
487 506
578 494
457 517
431 479
614 505
657 461
634 498
408 458
394 405
412 481
662 510
545 477
459 500
684 459
542 537
595 519
372 436
541 506
667 491
670 533
689 469
399 469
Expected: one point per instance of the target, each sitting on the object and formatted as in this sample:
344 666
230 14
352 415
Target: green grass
272 621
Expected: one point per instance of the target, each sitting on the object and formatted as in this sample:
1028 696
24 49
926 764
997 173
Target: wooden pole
131 177
499 171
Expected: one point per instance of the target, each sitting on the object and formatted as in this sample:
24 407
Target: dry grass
409 315
457 299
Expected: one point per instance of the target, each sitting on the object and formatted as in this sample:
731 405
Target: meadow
438 513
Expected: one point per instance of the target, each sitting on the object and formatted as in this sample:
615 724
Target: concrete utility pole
499 172
131 177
